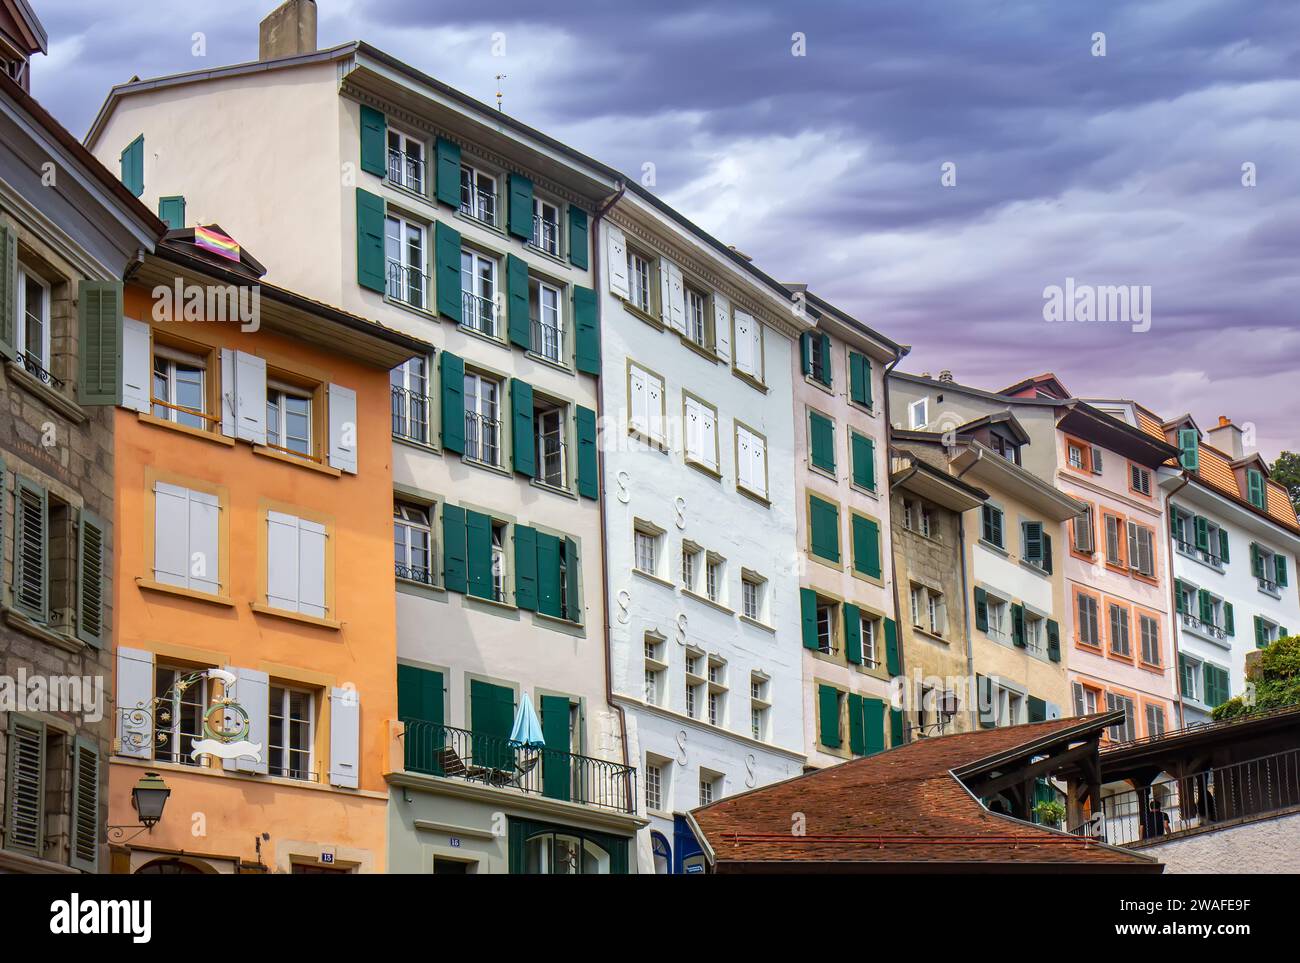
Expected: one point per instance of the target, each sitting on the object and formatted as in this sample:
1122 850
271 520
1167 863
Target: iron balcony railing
410 415
406 171
437 750
479 313
546 340
482 438
546 235
1205 628
1203 800
413 573
33 367
478 204
408 285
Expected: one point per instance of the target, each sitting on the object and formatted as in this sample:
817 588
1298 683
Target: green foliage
1286 471
1276 685
1050 812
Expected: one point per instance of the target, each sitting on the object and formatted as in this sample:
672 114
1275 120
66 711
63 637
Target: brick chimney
1227 437
288 30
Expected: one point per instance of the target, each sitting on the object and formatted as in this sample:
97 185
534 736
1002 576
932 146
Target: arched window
663 854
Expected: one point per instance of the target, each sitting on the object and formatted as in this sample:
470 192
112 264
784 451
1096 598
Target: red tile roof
902 806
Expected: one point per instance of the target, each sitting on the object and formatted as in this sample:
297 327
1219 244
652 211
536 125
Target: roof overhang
981 463
1090 424
938 487
1241 513
849 329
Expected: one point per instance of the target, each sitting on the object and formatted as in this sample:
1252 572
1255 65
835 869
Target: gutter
965 590
1173 612
893 568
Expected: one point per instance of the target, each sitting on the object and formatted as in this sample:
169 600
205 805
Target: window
499 567
404 247
1139 479
1005 447
1009 706
289 419
1141 549
1150 629
291 733
826 634
409 384
179 387
654 669
758 706
701 432
713 577
1119 641
1085 699
32 337
1269 569
1125 731
819 357
751 461
929 613
999 618
1083 532
546 226
482 419
478 292
751 597
405 161
296 561
694 683
176 732
1190 677
927 526
697 305
638 280
1035 634
748 345
918 413
710 787
548 426
1077 456
478 195
187 538
645 403
647 551
992 525
544 302
1155 720
918 602
1089 634
413 549
935 612
871 634
690 565
1114 541
654 786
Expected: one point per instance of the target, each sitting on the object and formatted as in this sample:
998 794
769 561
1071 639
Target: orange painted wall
361 653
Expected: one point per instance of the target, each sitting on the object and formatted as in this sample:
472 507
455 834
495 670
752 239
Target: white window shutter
135 685
677 298
228 392
203 562
722 327
759 469
311 568
665 291
171 550
744 459
709 438
137 365
639 395
250 398
756 349
694 435
746 358
253 692
343 428
1053 711
655 406
282 561
617 261
345 738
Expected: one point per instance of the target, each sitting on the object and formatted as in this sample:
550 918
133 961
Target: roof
905 807
24 17
1046 382
823 306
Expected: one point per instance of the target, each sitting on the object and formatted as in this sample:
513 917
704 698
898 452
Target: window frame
21 333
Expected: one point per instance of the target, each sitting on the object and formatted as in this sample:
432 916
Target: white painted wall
1262 846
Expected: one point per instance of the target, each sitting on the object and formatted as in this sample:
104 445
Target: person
1156 821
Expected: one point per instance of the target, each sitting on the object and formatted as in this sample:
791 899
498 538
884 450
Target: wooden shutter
1032 535
588 470
521 207
556 760
91 579
84 836
572 580
616 248
1255 487
864 461
1261 639
722 327
343 428
808 617
171 211
744 347
132 166
1037 709
419 694
374 141
523 440
24 815
674 286
824 521
525 567
578 237
828 711
984 691
250 397
893 661
1053 641
345 738
478 545
1018 625
455 558
853 633
9 296
1223 546
372 271
1279 567
134 691
446 246
895 727
1229 623
866 546
1189 443
492 710
451 370
517 317
99 315
252 690
137 366
860 379
31 549
312 577
1201 526
821 432
981 609
448 159
587 330
857 726
548 576
873 716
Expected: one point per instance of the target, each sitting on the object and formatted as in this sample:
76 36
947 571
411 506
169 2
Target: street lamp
149 797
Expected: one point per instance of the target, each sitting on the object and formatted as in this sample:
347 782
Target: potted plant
1050 812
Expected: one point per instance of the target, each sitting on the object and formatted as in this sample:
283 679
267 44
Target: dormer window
1189 445
1005 447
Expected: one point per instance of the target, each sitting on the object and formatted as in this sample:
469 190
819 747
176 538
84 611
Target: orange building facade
254 499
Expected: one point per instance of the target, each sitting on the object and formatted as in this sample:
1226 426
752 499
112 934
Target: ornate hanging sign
225 721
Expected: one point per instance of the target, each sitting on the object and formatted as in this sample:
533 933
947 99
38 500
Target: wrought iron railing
479 313
546 235
413 573
1204 800
482 438
438 750
1206 628
406 171
547 340
408 285
33 367
1199 727
479 204
410 415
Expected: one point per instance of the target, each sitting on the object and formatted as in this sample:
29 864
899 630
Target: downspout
1173 612
600 455
893 569
965 590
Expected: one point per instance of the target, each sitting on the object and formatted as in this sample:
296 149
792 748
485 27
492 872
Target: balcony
479 204
478 313
410 415
31 364
546 235
434 749
482 438
408 285
406 171
1208 629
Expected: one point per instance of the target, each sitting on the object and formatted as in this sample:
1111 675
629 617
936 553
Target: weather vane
500 77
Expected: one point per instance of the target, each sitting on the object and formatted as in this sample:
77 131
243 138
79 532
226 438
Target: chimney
288 30
945 376
1227 437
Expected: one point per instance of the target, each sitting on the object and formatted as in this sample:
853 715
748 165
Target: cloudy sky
829 167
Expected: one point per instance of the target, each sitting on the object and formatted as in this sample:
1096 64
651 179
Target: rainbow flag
216 242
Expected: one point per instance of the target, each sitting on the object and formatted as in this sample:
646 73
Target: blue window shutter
132 161
171 211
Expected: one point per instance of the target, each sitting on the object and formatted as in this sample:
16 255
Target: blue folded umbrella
527 730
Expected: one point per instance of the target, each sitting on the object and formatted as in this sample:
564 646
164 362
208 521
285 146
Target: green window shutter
864 461
451 371
99 315
1018 624
492 716
821 433
824 522
981 609
1279 565
555 759
448 158
1223 545
1255 488
8 293
455 561
828 706
24 814
808 617
1037 709
1189 442
1260 639
1031 535
171 211
1184 676
526 567
1053 640
1206 612
588 473
866 546
374 141
91 571
420 698
578 237
587 331
892 661
132 163
1173 521
1256 561
1229 624
86 772
572 580
446 244
857 726
860 379
895 727
521 207
873 720
1179 605
826 359
31 556
853 633
478 542
517 319
371 270
1201 525
521 410
805 353
984 691
548 576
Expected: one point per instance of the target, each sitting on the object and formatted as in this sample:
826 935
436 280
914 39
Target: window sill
867 410
867 577
553 489
757 624
151 585
749 379
495 603
51 396
21 623
199 433
828 473
482 225
754 496
653 442
645 316
1271 593
293 460
918 630
820 385
834 564
487 466
654 578
1036 569
262 609
420 445
407 191
407 306
705 600
871 492
994 547
550 362
473 332
699 349
559 620
703 469
542 252
1154 669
